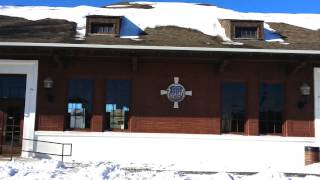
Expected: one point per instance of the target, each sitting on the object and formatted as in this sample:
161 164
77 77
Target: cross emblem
176 92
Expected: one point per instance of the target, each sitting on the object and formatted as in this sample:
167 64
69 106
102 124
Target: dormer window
243 29
103 25
102 28
246 32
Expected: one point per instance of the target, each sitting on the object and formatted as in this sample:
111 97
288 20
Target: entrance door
12 97
11 124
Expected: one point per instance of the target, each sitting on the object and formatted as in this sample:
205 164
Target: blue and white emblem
176 92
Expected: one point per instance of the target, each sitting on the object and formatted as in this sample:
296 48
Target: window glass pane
271 108
13 87
102 28
246 32
233 107
80 103
117 104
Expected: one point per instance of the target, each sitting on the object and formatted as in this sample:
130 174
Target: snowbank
187 15
50 169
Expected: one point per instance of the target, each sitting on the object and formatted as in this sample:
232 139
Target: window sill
234 133
271 134
247 39
104 34
79 129
117 130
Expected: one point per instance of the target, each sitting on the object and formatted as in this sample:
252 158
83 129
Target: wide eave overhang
64 49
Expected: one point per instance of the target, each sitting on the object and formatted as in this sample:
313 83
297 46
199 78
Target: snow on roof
185 15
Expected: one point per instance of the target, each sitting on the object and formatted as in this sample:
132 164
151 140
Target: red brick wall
174 125
151 112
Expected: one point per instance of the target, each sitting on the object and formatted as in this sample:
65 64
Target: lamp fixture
305 89
48 83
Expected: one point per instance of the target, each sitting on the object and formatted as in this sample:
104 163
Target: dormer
103 25
243 29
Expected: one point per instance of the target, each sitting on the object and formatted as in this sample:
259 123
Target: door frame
316 86
30 69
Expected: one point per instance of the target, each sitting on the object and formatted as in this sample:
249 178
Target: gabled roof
14 29
144 27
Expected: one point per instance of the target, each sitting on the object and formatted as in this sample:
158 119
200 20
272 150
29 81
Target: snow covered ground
51 169
187 15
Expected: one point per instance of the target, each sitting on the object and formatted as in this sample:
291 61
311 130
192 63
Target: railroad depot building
171 93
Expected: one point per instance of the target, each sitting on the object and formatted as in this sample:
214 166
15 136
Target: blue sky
288 6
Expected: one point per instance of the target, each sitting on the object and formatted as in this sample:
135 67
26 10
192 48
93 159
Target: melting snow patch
232 43
136 39
284 43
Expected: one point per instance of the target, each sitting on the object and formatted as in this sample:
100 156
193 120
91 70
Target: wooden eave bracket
222 66
134 63
61 63
299 66
57 60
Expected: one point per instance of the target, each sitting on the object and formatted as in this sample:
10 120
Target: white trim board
30 69
163 48
223 137
316 79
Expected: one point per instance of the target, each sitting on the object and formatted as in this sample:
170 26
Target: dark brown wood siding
151 112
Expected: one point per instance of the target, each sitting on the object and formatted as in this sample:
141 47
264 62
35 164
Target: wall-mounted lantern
48 85
305 91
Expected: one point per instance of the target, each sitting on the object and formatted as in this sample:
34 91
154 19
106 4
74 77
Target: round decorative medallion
176 92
